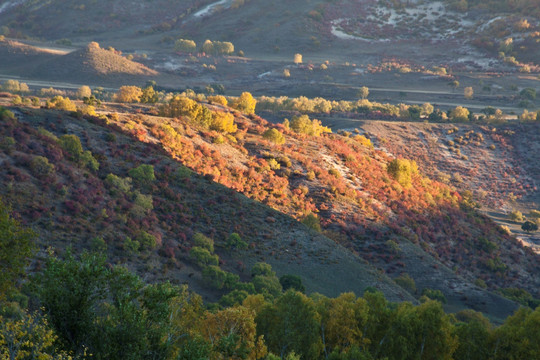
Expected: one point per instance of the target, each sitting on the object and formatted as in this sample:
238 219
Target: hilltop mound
93 64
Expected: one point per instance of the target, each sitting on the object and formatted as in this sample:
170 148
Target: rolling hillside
424 229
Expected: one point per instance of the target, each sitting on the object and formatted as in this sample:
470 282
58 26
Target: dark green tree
529 226
16 248
291 324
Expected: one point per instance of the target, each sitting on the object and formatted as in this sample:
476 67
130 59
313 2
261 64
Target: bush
98 244
116 183
147 241
312 222
203 257
143 174
402 171
203 241
7 144
89 161
534 214
5 114
262 268
61 103
274 136
219 279
41 167
131 246
406 282
71 144
235 242
516 216
434 295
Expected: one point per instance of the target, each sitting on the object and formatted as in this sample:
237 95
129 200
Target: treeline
79 308
90 309
246 103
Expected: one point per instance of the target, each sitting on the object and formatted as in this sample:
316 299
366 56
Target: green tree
421 332
149 95
107 310
143 174
203 241
203 257
529 226
528 94
235 242
517 338
71 144
312 221
347 319
16 248
292 282
291 324
473 333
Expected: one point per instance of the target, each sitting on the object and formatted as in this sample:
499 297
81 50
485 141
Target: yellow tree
460 114
297 58
245 103
223 122
468 92
129 94
232 334
347 317
27 337
84 91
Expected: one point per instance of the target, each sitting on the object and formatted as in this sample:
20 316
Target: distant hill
92 65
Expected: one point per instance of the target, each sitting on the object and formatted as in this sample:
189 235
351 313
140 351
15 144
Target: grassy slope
74 205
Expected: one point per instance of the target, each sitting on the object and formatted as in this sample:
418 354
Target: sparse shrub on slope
274 135
402 170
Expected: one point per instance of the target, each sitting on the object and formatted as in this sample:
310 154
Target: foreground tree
291 324
108 311
15 249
